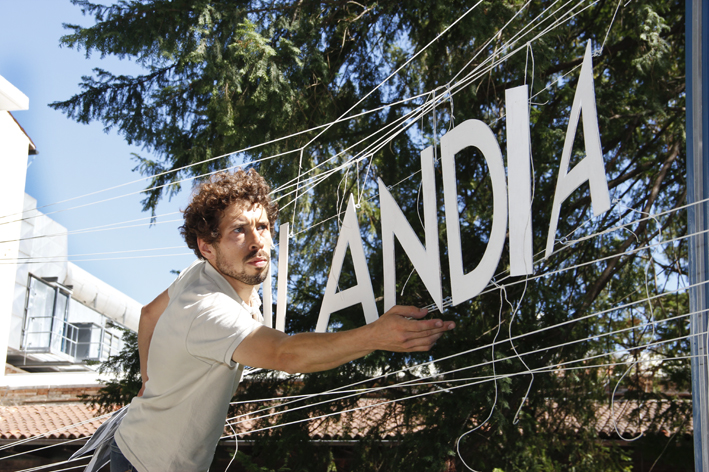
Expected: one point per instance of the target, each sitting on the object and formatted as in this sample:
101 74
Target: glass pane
106 346
59 320
88 340
40 305
111 344
116 345
95 349
80 313
71 337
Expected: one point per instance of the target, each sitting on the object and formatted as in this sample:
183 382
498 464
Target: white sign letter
478 134
519 155
282 284
360 293
425 259
268 298
282 277
591 167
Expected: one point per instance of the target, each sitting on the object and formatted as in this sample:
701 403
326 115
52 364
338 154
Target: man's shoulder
200 276
202 287
192 271
194 283
185 277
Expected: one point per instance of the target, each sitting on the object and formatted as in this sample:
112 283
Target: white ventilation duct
11 99
103 298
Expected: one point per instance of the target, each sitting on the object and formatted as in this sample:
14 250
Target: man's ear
207 250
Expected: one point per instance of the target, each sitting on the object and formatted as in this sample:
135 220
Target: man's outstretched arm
315 352
149 316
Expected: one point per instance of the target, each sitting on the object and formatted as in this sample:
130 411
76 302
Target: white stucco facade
14 149
50 309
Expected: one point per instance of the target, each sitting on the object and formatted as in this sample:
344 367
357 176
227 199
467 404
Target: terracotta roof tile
633 418
61 421
76 420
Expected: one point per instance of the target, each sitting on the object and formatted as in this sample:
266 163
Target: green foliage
125 367
250 466
230 75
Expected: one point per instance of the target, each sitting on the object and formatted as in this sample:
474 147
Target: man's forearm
314 352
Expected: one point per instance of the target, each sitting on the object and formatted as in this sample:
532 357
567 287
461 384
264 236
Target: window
112 344
83 340
45 317
57 324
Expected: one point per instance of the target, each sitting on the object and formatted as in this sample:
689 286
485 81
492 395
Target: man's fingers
422 343
418 313
423 340
425 325
408 332
408 311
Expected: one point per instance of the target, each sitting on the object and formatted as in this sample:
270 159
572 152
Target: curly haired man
195 337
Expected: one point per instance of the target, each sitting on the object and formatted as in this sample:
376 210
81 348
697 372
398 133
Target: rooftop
77 420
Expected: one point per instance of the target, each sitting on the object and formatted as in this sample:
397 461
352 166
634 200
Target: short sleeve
218 329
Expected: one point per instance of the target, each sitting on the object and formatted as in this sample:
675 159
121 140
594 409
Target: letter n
426 260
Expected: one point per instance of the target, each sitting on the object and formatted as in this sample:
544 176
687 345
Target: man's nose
257 240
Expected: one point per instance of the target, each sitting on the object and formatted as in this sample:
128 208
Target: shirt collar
226 287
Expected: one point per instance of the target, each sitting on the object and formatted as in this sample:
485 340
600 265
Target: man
194 337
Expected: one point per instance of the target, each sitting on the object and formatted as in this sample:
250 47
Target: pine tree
222 76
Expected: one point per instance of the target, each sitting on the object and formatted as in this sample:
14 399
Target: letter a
591 167
425 259
360 293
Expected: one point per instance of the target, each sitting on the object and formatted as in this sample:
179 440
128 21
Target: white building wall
43 252
44 244
14 147
41 246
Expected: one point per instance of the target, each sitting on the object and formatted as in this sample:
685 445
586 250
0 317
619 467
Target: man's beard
242 276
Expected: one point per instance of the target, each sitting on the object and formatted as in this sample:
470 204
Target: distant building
61 315
54 316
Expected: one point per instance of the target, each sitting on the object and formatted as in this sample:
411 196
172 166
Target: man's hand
401 330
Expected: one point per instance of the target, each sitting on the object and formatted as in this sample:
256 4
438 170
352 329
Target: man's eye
240 229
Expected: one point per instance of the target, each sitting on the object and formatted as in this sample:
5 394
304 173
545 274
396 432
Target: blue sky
75 159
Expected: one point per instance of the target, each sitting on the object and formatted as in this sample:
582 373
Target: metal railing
80 341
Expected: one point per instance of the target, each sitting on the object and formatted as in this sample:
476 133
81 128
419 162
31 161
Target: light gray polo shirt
178 421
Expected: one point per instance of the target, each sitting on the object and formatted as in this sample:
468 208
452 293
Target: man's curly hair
210 198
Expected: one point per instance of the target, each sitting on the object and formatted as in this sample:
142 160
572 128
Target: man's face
243 251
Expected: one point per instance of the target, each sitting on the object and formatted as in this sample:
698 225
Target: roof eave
32 148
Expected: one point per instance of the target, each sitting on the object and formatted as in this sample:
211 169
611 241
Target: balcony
59 331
